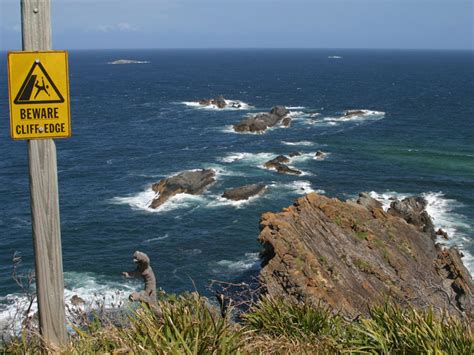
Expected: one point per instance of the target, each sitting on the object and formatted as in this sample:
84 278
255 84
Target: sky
106 24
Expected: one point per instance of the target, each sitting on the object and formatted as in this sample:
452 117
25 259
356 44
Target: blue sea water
135 124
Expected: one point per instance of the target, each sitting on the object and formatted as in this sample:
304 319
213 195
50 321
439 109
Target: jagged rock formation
190 182
279 165
261 122
412 209
218 101
351 254
244 192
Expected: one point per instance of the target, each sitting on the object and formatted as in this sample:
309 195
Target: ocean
135 124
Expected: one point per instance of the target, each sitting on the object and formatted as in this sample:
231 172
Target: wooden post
36 35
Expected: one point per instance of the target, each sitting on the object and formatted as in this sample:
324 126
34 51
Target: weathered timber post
36 35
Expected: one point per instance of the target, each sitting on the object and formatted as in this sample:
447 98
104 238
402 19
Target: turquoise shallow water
131 127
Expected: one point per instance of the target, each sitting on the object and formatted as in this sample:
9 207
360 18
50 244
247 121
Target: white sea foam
220 201
250 261
89 287
141 201
334 57
231 105
300 143
295 107
366 115
253 158
307 156
300 187
151 240
259 159
442 211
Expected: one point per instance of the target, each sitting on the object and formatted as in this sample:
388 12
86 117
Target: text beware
39 113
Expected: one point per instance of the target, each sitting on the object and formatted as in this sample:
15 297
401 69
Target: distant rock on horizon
128 61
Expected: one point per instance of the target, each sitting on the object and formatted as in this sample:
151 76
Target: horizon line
258 48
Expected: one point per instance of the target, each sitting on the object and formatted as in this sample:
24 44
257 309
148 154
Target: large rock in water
351 254
279 165
219 102
244 192
261 122
190 182
354 113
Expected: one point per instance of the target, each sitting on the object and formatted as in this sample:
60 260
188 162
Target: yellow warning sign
39 95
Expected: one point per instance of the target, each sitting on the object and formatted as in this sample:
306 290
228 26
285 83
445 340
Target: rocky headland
349 255
192 182
260 122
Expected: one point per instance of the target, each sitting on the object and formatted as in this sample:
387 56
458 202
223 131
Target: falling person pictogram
42 87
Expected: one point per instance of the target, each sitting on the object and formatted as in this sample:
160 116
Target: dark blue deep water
131 128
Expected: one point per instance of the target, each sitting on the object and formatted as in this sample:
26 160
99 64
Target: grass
363 265
274 325
362 235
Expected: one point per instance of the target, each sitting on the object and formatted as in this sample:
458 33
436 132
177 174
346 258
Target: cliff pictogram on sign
38 88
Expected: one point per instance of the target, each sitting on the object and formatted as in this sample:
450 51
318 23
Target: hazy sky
440 24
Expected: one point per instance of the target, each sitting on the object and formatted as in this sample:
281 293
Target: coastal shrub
272 326
392 329
279 317
188 326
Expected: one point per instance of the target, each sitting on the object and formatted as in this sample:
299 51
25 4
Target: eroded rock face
244 192
189 182
412 210
350 254
261 122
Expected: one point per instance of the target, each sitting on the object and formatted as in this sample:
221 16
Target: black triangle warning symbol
38 88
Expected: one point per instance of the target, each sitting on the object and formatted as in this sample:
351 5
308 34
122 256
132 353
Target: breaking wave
442 211
95 290
231 105
142 200
300 143
250 261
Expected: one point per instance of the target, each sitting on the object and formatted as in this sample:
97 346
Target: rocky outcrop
354 113
260 122
244 192
349 254
279 165
190 182
412 209
218 101
320 155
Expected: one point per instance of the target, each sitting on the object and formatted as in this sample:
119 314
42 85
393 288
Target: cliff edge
351 254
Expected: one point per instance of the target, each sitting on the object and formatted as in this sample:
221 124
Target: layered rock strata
351 254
